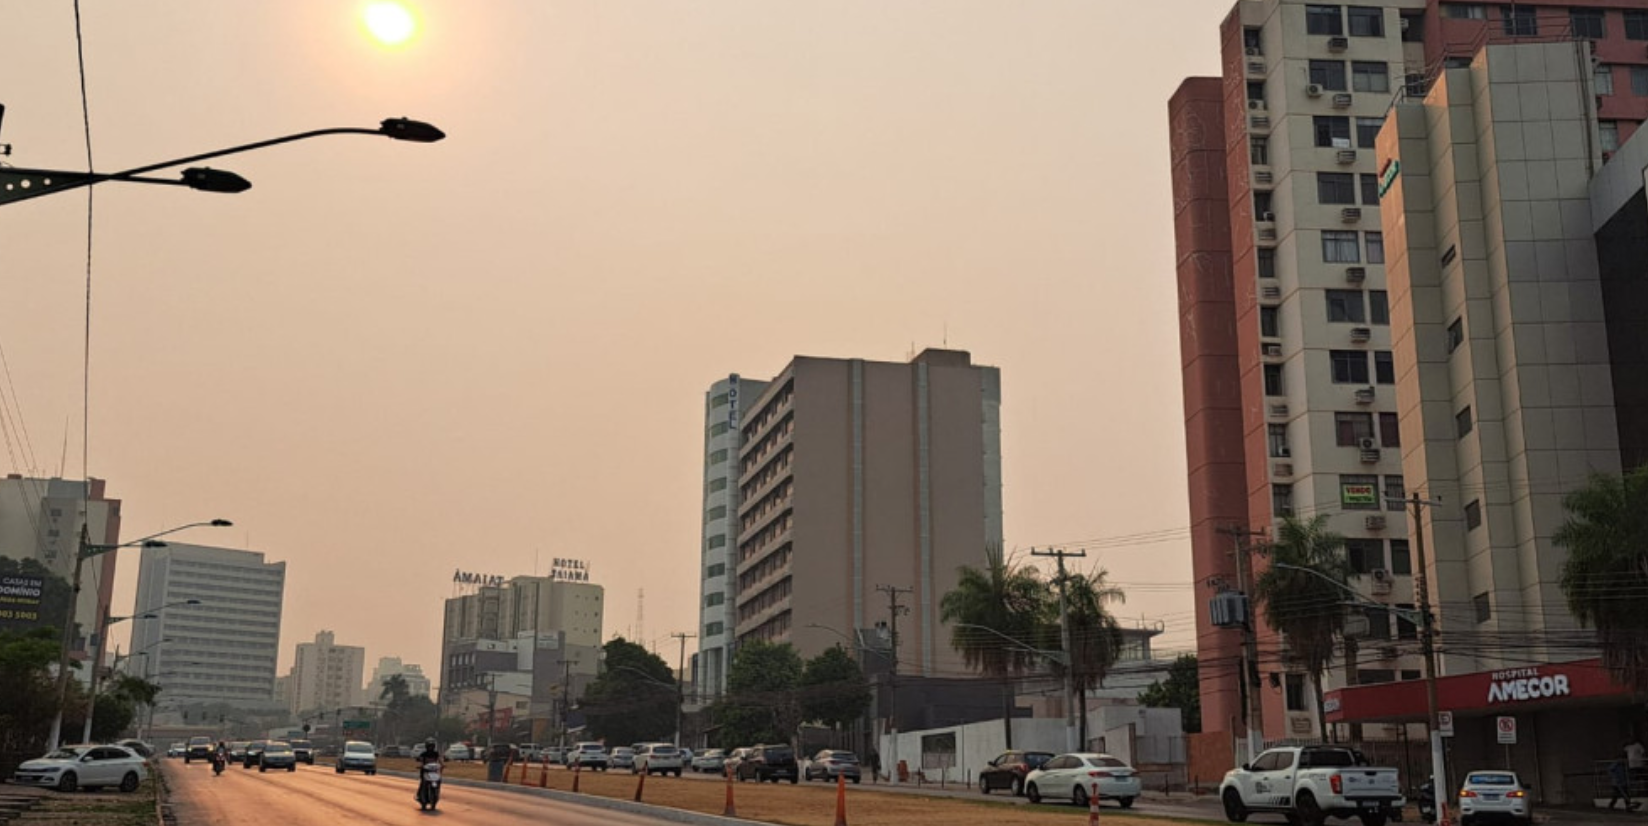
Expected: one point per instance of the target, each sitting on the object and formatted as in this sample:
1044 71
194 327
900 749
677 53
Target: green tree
833 689
1095 638
1181 690
29 699
450 730
1606 536
761 703
394 693
1000 600
1302 593
635 697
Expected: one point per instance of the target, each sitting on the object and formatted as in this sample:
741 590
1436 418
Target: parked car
734 760
254 750
622 757
1312 783
178 749
658 758
357 756
277 754
200 748
769 763
714 760
1073 776
142 749
588 755
1010 768
84 767
1494 795
305 751
555 754
830 764
460 752
530 752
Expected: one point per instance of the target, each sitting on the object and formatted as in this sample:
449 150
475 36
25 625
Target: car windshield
782 753
200 741
590 747
278 748
623 751
664 751
67 753
1491 780
358 748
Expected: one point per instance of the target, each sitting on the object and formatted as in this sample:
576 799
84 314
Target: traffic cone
730 810
841 799
577 768
1093 807
640 783
543 775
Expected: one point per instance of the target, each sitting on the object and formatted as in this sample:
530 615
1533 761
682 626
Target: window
1281 499
1462 422
1369 76
1273 380
1390 434
1456 334
1366 22
1408 674
1349 366
1256 90
1395 491
1328 74
1365 555
1520 21
1295 693
1323 20
1464 11
1639 80
715 571
717 429
1367 131
1269 325
1340 247
1376 676
1267 262
1331 130
718 483
713 599
1358 492
1335 188
1250 40
1636 25
1379 626
1376 247
1346 305
1278 440
718 400
1473 514
1259 150
718 456
1587 23
1262 206
1384 368
1379 307
1370 188
1602 79
718 541
713 629
1401 560
717 512
1351 428
1609 132
1484 607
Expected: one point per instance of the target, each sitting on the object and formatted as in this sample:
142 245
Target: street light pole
97 659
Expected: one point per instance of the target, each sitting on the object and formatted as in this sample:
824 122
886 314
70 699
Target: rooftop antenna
640 614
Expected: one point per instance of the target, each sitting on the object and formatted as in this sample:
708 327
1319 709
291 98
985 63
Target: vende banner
20 598
1506 690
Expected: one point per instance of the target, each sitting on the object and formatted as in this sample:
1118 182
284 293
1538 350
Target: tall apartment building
1291 403
40 519
327 676
222 650
856 474
417 683
527 613
723 439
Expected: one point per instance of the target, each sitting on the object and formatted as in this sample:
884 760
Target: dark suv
772 763
254 753
1008 770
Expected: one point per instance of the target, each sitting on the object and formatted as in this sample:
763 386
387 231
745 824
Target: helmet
429 744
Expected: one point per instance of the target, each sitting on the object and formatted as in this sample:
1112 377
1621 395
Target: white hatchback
1072 777
1494 795
85 767
658 758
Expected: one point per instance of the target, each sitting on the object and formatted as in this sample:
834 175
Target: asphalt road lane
316 794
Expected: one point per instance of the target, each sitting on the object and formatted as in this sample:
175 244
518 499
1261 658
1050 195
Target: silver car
1494 795
84 767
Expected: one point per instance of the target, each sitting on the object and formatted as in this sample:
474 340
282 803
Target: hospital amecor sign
1521 684
20 598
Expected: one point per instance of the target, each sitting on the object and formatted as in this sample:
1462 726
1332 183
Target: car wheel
856 778
984 786
340 770
292 768
1078 796
677 772
792 780
1033 792
68 782
1018 787
1309 811
1127 802
1235 812
187 760
128 784
372 772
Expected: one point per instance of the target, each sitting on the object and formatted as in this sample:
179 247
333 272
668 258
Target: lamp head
207 179
221 523
154 543
406 129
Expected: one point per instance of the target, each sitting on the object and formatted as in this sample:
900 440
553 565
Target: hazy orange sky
387 360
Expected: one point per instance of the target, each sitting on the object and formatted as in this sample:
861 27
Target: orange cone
1093 807
640 783
543 775
730 810
841 799
576 769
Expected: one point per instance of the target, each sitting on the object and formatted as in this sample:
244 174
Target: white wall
1154 735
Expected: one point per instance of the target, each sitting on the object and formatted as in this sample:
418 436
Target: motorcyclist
220 757
426 795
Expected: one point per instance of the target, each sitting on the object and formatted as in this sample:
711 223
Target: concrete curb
589 801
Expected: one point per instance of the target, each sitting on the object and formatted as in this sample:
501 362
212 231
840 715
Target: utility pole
1072 695
80 553
566 700
1253 708
680 682
1427 645
491 708
893 610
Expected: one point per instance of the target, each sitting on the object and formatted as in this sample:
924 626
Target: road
315 794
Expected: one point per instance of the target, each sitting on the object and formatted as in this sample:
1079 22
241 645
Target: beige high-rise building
327 676
858 474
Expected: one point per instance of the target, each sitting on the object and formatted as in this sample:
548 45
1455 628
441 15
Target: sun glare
390 23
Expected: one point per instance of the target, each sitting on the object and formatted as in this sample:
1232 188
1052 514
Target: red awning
1510 689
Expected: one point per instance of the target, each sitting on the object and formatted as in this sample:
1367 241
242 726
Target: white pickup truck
1310 784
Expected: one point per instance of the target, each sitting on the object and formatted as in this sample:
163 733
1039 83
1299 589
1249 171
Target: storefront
1562 719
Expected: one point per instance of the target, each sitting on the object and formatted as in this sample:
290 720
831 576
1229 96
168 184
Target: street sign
1507 730
356 724
1444 723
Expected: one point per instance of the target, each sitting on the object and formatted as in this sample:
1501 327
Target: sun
390 23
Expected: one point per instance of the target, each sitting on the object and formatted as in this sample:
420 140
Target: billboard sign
20 600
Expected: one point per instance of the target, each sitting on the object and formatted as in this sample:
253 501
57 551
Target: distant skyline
388 361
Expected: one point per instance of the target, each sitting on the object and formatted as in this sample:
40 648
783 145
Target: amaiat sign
483 580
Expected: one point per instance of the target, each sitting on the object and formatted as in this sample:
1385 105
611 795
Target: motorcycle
1427 803
429 786
218 762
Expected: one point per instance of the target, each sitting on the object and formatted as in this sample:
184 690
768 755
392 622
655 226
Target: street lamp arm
1356 596
1058 657
403 129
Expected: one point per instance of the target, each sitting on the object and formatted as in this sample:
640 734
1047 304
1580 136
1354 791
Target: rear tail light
1517 793
1337 783
1466 793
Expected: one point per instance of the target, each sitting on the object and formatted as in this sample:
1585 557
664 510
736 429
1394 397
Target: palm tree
1303 594
395 694
1095 637
1606 573
1009 600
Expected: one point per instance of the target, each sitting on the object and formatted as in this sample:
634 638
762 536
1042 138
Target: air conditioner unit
1356 275
1347 156
1360 335
1253 51
1374 522
1279 410
1284 469
1364 395
1267 234
1259 122
1350 215
1255 66
1270 292
1268 217
1380 575
1342 100
1367 443
1315 89
1273 350
1263 176
1388 652
1283 452
1256 105
1338 44
1405 23
1370 456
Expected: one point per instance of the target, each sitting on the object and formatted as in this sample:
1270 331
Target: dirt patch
51 808
804 804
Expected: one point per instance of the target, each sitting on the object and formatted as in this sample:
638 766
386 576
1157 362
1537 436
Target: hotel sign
732 402
462 577
569 570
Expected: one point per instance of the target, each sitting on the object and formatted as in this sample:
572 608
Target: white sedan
85 767
1073 776
1493 795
